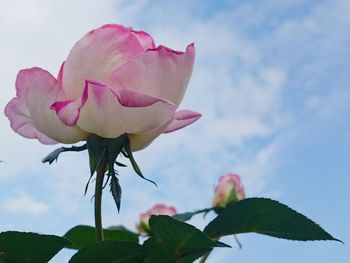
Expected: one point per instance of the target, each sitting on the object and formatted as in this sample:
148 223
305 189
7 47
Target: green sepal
120 164
188 215
53 156
116 190
128 154
114 147
97 148
107 150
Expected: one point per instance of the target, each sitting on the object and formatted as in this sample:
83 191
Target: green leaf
2 255
133 162
175 241
29 247
83 236
267 217
97 147
110 252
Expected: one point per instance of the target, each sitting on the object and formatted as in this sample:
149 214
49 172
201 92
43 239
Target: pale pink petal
159 72
144 38
97 54
21 121
228 184
182 119
158 209
142 140
68 111
30 113
60 73
112 112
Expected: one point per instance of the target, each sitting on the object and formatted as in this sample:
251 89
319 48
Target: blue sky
271 80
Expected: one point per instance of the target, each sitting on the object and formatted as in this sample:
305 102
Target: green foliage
110 252
267 217
176 241
171 240
82 236
29 247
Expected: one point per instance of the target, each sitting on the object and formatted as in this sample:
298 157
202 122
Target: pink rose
229 189
159 209
114 81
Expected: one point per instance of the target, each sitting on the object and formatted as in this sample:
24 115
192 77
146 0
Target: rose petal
144 39
60 73
21 121
158 209
29 112
142 140
97 54
159 72
182 119
112 112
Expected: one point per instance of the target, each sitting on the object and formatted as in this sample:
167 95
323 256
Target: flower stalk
100 173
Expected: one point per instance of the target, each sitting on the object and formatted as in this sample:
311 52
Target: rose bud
228 190
158 209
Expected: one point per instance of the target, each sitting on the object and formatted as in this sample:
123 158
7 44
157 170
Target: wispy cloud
24 204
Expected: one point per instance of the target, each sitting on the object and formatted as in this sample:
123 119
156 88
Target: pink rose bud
228 190
115 80
158 209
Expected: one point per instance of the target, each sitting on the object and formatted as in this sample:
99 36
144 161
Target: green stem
100 172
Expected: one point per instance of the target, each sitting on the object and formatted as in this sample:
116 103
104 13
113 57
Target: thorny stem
100 173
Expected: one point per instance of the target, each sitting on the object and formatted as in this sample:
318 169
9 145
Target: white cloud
334 105
24 204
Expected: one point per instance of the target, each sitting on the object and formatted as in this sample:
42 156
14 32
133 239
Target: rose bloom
159 209
114 81
228 190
